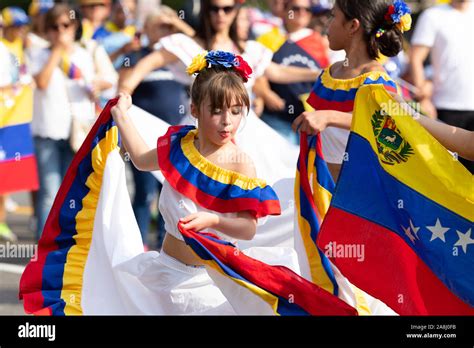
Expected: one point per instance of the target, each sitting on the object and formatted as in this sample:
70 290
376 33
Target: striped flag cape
313 192
403 199
18 169
259 287
52 282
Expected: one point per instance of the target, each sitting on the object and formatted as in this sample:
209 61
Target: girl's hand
311 122
123 104
199 221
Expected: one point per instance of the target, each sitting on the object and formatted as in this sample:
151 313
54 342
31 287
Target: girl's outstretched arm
147 64
283 74
455 139
142 156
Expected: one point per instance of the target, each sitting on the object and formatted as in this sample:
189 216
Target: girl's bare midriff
180 251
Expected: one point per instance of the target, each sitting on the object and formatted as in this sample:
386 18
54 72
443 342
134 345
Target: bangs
227 90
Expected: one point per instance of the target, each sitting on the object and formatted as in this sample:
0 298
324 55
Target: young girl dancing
210 183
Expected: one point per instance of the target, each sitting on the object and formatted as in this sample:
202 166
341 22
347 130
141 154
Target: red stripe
31 281
278 280
18 175
259 209
319 103
391 271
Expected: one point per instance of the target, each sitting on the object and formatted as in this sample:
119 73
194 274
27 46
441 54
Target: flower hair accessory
222 59
398 14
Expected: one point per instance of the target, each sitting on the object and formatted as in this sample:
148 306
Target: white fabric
54 106
173 206
334 141
119 278
449 32
36 41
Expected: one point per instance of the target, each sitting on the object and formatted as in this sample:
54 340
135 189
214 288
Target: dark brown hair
205 31
371 15
222 86
56 12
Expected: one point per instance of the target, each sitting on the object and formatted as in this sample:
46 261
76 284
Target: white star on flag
414 229
437 231
409 234
464 240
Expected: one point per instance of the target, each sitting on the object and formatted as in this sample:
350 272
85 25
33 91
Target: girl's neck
204 146
357 56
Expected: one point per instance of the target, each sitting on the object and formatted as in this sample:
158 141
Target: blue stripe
324 177
16 142
309 215
365 189
213 187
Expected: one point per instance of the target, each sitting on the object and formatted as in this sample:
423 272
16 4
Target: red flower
242 68
390 12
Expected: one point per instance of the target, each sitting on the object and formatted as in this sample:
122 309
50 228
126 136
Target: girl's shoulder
373 67
240 162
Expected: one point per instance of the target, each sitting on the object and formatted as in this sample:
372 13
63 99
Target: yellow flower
405 23
199 62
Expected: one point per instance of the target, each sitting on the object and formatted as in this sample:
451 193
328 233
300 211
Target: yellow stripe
362 305
22 110
321 196
224 176
431 170
318 273
77 255
347 84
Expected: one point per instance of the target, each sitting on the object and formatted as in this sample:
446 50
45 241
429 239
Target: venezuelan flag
52 283
404 199
278 288
313 192
17 160
192 175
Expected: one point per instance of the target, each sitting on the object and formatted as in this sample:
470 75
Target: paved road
11 263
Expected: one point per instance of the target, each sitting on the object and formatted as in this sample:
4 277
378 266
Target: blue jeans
146 189
282 127
53 158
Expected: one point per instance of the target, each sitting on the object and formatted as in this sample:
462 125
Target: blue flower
221 58
400 8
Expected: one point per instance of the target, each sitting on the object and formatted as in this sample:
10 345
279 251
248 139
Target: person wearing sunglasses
64 76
